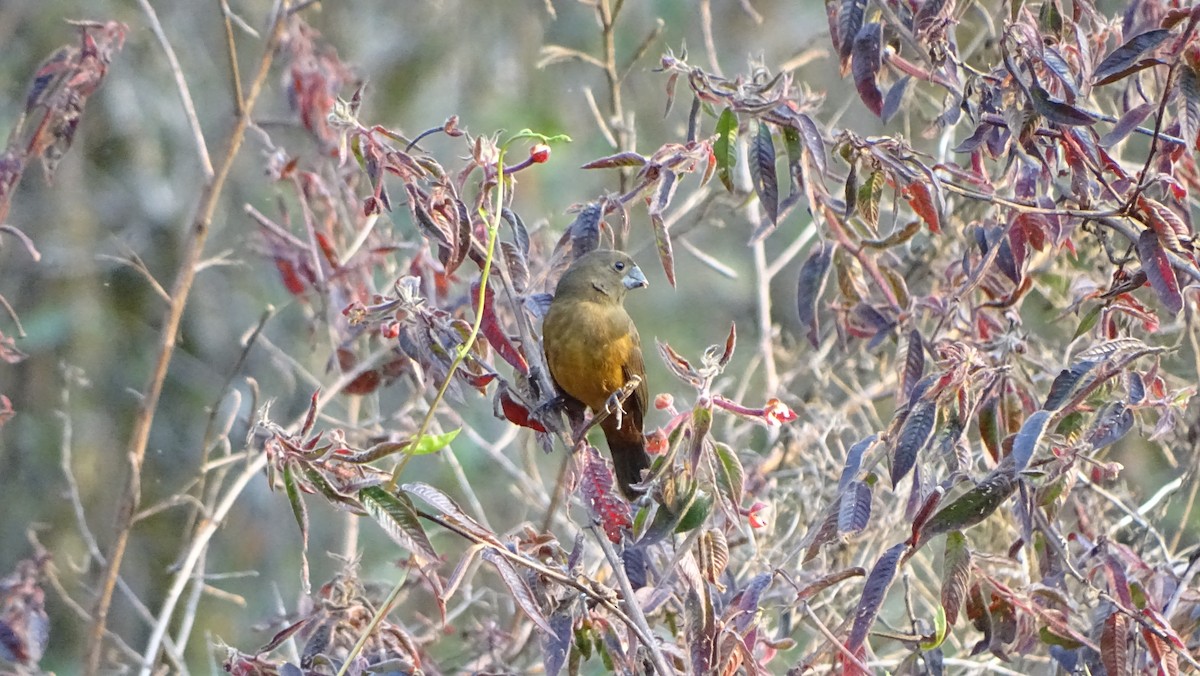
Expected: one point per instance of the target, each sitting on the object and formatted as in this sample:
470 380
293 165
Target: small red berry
539 153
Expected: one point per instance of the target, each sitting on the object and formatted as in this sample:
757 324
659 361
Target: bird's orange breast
588 346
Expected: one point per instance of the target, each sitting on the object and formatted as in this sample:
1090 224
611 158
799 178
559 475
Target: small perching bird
593 351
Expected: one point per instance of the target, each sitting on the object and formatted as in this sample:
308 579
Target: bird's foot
614 406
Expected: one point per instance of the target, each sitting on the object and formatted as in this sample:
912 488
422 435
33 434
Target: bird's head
606 272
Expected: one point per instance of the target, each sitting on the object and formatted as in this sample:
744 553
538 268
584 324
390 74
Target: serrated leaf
869 194
1028 438
696 513
849 23
914 364
626 159
866 55
1058 112
518 588
300 512
854 461
556 644
1113 421
762 171
662 241
450 510
1089 320
1157 266
1114 647
874 590
919 197
914 435
1124 56
725 147
854 508
813 142
398 518
585 230
895 96
1066 383
813 274
1126 124
973 506
956 566
700 628
731 476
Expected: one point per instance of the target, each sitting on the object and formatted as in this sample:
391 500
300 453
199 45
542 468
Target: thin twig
185 94
197 235
631 602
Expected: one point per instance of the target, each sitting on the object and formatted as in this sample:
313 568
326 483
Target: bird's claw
614 408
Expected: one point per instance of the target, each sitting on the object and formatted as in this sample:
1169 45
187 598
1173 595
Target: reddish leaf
605 505
1114 647
515 411
956 565
918 196
494 332
730 343
1164 659
666 255
1158 269
1165 222
866 55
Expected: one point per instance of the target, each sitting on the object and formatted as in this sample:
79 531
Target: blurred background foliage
128 186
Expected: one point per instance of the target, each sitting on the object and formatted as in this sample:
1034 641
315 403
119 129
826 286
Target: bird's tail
628 448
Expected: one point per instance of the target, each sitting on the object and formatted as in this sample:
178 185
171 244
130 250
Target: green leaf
973 506
730 474
939 633
397 516
725 147
1089 320
696 513
432 443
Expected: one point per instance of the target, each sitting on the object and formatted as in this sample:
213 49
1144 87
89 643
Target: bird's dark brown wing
628 443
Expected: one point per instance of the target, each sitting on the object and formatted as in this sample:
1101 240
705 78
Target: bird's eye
619 266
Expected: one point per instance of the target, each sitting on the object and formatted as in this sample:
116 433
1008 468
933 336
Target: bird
593 350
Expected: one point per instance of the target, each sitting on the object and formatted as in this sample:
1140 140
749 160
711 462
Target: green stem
493 231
